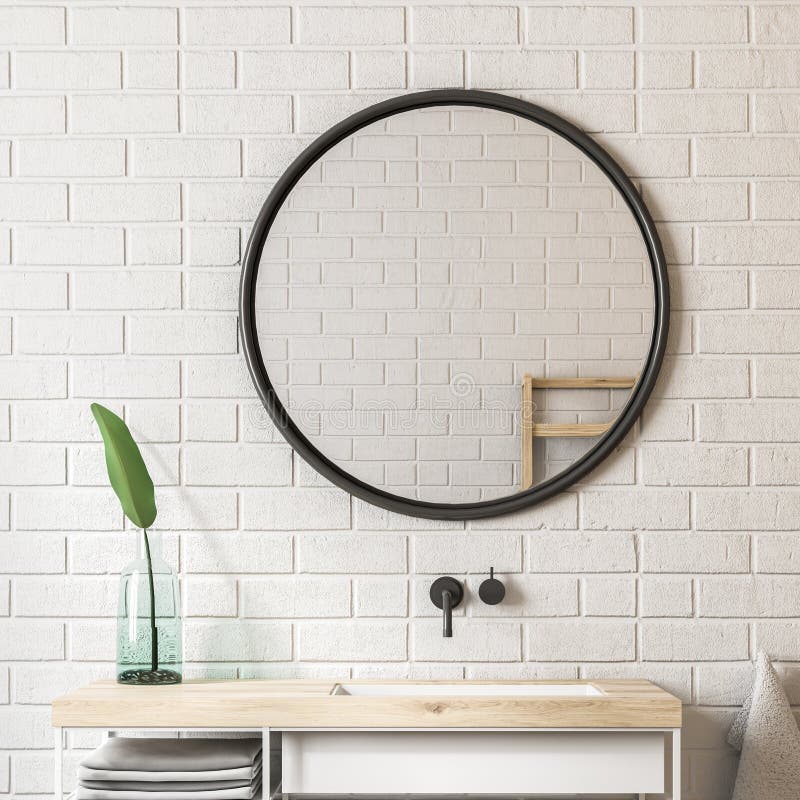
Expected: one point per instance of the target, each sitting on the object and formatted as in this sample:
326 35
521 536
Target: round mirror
454 304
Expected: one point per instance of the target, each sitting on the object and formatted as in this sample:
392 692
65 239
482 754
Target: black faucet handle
491 591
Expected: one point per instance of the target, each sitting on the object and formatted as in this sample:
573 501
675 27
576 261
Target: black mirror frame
453 511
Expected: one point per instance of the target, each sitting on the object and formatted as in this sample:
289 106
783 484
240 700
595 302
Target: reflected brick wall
420 269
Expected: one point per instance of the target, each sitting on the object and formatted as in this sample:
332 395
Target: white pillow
766 732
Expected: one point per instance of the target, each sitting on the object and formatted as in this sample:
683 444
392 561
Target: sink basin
467 690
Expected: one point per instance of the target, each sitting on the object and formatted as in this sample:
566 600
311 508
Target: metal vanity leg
676 764
58 759
266 780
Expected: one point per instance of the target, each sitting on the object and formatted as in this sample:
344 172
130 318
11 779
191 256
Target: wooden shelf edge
582 383
574 430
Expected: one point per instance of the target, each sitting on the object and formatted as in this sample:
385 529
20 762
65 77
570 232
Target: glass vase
149 646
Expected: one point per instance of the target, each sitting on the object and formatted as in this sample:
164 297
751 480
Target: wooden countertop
312 704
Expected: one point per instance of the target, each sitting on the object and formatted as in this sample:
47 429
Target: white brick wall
137 142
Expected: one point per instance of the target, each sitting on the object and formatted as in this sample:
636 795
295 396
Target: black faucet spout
447 607
447 593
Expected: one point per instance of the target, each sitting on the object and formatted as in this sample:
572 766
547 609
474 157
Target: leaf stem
153 629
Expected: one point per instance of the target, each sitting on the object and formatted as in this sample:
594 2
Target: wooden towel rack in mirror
418 263
530 430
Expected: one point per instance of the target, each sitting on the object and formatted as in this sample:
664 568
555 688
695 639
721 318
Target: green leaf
126 468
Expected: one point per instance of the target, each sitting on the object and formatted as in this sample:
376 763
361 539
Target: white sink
408 689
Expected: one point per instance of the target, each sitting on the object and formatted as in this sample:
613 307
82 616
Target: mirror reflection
454 304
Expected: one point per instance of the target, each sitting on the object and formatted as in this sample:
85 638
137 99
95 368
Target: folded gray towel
164 781
767 734
126 755
244 793
114 775
160 786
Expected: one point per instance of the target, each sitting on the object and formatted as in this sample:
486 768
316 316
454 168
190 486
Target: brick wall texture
137 143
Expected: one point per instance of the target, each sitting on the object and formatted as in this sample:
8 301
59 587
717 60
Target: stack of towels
172 769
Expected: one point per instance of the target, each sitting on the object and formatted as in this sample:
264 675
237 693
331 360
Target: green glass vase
149 641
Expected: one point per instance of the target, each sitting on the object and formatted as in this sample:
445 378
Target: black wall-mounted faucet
447 593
